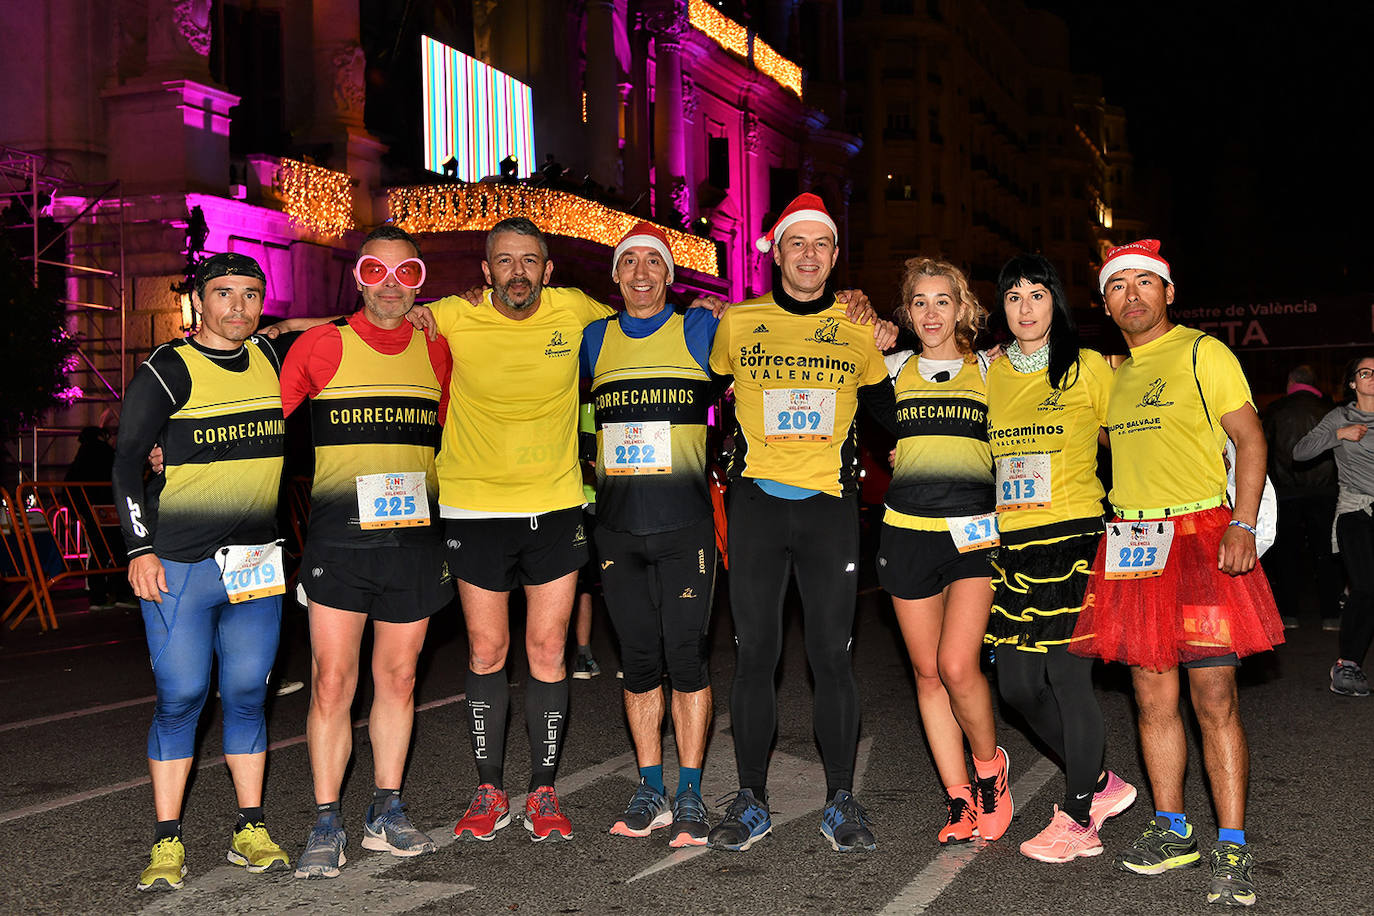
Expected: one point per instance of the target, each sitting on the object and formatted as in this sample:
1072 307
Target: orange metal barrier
19 564
84 527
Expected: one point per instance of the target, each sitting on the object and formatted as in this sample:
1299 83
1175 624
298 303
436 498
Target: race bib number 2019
392 500
251 571
802 414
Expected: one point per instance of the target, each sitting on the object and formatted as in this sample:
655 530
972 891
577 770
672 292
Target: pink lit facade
120 97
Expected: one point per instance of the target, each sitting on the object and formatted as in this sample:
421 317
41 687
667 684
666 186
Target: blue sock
1178 821
688 778
652 776
1232 835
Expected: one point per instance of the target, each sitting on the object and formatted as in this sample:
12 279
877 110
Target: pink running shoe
1064 839
488 813
1115 797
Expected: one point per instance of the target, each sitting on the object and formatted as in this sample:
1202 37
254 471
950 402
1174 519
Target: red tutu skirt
1191 611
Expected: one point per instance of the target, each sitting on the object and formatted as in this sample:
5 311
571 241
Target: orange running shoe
994 799
962 825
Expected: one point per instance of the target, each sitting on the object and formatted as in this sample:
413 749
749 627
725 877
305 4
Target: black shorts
501 554
918 564
1229 660
400 584
589 576
658 592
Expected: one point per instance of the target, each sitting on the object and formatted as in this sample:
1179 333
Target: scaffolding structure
77 228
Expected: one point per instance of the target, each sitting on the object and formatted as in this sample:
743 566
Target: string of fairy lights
479 207
316 198
735 38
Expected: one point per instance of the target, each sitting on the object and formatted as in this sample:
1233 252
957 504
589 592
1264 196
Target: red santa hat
1143 255
644 234
804 207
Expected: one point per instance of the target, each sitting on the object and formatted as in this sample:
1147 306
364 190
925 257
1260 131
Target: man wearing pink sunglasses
378 391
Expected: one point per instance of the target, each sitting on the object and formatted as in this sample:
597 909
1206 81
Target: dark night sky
1252 131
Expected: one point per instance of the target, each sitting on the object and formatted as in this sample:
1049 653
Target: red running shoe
962 825
543 818
488 813
994 800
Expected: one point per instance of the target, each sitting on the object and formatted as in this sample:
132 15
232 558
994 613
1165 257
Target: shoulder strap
1196 381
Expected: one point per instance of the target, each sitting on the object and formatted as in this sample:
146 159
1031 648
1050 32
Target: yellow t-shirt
510 440
796 391
1048 437
1164 452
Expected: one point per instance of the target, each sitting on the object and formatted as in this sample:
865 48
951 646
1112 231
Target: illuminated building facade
283 129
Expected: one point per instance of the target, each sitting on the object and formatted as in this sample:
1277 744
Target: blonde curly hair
971 317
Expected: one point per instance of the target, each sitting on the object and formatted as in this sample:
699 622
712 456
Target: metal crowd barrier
18 563
72 531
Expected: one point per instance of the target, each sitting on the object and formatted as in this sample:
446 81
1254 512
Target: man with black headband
377 390
204 558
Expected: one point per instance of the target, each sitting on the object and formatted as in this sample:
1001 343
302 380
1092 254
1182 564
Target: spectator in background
1343 432
94 463
1302 561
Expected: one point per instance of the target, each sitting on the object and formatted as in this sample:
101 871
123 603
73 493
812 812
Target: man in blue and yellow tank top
204 558
651 389
377 389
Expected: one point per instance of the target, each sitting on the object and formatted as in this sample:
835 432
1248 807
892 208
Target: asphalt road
77 810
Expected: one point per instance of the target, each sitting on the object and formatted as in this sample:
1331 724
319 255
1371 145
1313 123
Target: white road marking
792 783
79 797
945 867
228 888
76 713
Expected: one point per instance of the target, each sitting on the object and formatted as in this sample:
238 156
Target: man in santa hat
799 368
1177 584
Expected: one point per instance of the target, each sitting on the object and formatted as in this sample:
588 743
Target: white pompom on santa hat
644 235
804 207
1142 255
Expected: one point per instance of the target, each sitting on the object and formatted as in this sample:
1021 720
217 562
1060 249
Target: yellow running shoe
252 848
167 868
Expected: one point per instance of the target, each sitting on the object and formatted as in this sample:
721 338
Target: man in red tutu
1176 584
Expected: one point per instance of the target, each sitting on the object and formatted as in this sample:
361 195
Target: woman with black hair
1344 430
1047 402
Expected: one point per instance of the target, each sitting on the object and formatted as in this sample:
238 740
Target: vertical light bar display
473 114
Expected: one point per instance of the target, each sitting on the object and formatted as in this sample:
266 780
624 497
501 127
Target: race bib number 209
806 414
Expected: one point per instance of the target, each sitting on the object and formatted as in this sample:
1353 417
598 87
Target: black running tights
1053 690
818 539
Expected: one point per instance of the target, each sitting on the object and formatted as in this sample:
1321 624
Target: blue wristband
1237 523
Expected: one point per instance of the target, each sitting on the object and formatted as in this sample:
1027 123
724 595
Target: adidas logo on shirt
761 329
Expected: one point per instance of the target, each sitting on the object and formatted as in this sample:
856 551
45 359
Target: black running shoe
844 822
746 822
1231 867
1159 849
